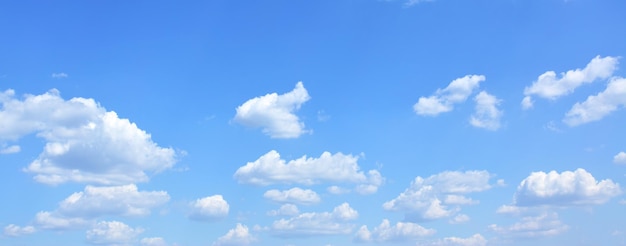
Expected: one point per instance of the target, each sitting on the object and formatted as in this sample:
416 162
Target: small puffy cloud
430 198
16 231
317 224
564 189
285 210
209 208
337 168
546 224
599 106
54 221
444 99
336 190
238 236
123 200
385 232
275 113
620 158
10 149
459 219
293 195
59 75
550 87
153 241
486 115
83 142
474 240
112 233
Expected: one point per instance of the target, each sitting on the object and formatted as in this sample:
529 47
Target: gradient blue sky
333 122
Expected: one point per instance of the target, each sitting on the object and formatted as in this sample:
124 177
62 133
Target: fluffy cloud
293 195
84 142
550 87
275 113
400 232
123 200
153 241
10 149
112 233
620 158
459 219
315 224
338 168
564 189
599 106
209 208
16 231
546 224
55 221
444 99
428 199
336 190
285 210
240 235
486 115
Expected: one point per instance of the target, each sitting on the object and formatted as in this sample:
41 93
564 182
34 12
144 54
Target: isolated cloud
564 189
336 168
240 235
550 87
153 241
546 224
293 195
59 75
209 208
123 200
474 240
486 115
16 231
459 219
620 158
275 113
317 224
285 210
443 100
336 190
430 198
84 142
385 232
112 233
599 106
10 149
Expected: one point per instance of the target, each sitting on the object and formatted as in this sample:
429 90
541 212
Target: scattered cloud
55 221
293 195
153 241
337 168
620 158
209 208
285 210
316 224
10 149
83 142
275 113
599 106
112 233
16 231
385 232
474 240
238 236
486 115
459 219
336 190
59 75
546 224
443 100
430 198
548 86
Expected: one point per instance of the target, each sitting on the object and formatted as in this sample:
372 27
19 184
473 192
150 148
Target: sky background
332 122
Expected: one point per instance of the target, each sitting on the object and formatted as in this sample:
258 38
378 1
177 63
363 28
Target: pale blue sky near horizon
441 121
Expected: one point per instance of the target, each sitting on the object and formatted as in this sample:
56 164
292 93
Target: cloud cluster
431 198
385 232
83 142
316 224
275 113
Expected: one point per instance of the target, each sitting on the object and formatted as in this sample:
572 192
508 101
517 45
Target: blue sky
313 122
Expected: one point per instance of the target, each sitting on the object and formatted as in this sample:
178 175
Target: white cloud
444 99
84 142
285 210
338 168
409 3
59 75
240 235
474 240
546 224
400 232
275 113
209 208
293 195
620 158
153 241
112 233
16 231
10 149
427 199
550 87
54 221
459 219
123 200
564 189
315 224
599 106
486 115
336 190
